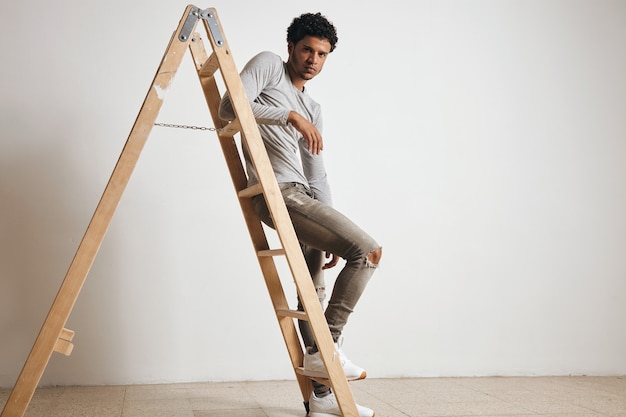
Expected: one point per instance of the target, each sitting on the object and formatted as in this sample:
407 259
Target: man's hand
332 262
308 130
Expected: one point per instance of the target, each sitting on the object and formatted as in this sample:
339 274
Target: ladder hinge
214 27
190 23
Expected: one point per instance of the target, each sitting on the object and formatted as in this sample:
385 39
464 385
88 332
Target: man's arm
309 132
261 71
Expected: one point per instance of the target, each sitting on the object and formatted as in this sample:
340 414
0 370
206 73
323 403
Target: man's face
307 57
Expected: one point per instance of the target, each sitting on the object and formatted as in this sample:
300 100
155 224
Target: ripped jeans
320 228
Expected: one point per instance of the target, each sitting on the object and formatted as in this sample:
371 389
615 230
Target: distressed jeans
320 228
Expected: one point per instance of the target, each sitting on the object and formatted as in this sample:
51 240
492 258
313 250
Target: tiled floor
496 397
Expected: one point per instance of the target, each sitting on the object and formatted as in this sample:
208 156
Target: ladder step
210 66
63 344
296 314
63 347
324 381
250 191
230 129
271 252
67 334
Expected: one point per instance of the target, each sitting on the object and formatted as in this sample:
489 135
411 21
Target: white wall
482 143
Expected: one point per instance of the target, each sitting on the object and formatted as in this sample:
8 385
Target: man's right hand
309 132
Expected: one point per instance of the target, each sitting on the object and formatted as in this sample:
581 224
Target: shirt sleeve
315 170
262 70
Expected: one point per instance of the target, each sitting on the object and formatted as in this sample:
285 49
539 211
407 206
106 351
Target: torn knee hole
374 256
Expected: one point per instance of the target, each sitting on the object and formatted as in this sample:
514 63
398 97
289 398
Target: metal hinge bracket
190 22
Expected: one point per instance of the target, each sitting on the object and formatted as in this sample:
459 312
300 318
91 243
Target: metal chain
187 127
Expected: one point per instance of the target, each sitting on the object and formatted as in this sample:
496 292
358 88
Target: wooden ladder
54 337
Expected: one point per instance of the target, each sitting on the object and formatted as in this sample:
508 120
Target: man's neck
295 79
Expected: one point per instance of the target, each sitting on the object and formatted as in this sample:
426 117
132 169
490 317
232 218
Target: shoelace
342 356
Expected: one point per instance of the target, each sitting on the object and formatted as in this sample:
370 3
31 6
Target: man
291 124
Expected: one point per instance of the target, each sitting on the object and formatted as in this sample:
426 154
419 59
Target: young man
291 124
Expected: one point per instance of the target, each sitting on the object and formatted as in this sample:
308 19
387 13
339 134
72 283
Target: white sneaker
314 366
327 407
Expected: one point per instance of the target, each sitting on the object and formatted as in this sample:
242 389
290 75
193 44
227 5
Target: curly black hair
312 24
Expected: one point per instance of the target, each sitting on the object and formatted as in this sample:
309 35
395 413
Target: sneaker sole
315 414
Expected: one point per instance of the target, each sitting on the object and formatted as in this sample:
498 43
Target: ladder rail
255 229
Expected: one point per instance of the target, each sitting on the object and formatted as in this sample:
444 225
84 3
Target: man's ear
290 47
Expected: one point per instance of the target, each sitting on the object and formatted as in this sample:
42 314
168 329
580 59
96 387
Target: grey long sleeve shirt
272 96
